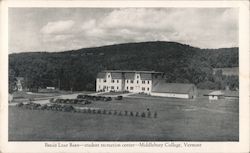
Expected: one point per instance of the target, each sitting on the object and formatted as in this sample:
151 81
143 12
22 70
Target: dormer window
109 76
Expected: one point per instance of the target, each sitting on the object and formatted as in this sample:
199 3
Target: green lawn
177 120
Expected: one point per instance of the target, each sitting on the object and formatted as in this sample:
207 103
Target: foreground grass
177 120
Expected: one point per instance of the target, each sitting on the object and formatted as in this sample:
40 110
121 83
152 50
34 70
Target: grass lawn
178 120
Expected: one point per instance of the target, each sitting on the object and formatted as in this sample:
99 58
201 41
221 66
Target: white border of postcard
241 146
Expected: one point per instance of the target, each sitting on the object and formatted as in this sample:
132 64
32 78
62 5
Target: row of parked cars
71 101
94 98
55 107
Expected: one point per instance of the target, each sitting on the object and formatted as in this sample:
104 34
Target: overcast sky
59 29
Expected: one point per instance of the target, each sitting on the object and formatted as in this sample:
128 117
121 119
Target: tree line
77 69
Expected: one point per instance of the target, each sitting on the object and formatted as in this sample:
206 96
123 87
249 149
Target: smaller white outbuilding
227 94
216 95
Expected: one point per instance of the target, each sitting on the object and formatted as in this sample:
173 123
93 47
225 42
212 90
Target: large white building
149 82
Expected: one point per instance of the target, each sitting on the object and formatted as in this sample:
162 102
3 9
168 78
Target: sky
60 29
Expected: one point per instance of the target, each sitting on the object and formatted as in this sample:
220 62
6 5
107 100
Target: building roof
226 93
129 76
146 76
164 87
228 71
216 93
130 71
116 75
101 75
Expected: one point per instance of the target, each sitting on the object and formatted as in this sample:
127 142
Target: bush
149 114
125 113
99 111
120 113
143 114
104 111
115 112
110 112
137 114
155 115
131 114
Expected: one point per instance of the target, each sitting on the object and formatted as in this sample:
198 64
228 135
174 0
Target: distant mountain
77 69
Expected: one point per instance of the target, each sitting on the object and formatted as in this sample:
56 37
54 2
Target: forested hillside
77 69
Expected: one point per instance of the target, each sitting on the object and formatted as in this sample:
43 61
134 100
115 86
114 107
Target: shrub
115 112
110 112
120 113
104 111
131 114
149 114
155 115
137 114
125 113
99 111
143 114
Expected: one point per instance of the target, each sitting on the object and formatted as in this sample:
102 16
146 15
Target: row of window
113 81
112 87
143 88
128 88
143 81
131 81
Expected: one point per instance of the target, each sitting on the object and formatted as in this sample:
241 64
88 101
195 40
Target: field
178 120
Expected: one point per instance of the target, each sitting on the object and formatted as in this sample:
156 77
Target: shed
227 94
216 95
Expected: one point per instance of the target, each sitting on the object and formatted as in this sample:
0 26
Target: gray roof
116 75
226 93
130 76
101 75
146 76
130 71
164 87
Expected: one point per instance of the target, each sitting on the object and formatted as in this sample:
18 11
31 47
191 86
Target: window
148 82
112 87
127 81
148 89
104 80
113 81
117 87
104 87
117 81
127 88
143 89
137 76
131 88
108 76
143 82
131 81
137 81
